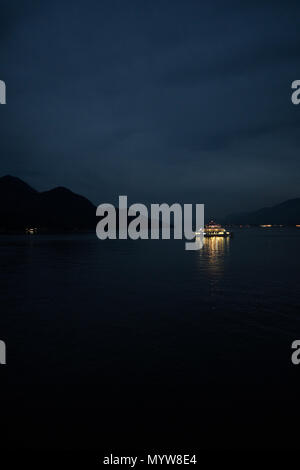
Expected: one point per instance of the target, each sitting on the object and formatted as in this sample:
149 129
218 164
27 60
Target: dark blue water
91 324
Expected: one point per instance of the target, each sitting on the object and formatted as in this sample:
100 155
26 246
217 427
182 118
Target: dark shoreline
62 231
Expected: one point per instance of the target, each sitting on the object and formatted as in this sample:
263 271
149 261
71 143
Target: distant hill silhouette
286 213
58 209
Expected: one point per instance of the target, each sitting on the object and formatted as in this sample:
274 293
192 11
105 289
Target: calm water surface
89 323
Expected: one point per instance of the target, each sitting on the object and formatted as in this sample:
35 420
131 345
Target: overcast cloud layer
163 101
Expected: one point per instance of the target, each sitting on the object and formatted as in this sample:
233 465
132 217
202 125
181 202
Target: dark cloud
240 62
176 100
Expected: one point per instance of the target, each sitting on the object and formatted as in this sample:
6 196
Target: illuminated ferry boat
214 230
31 230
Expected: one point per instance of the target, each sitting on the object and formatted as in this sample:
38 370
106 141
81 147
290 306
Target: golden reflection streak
213 251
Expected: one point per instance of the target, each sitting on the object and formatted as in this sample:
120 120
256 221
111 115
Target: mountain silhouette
285 213
58 209
61 209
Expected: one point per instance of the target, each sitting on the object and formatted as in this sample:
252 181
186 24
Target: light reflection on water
112 313
213 253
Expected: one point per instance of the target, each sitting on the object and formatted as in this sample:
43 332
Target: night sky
165 101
